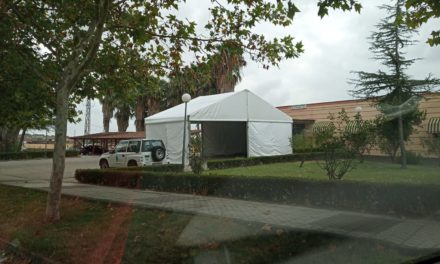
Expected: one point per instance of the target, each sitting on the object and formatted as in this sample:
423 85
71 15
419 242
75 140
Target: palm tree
148 101
220 74
226 67
122 115
139 113
107 113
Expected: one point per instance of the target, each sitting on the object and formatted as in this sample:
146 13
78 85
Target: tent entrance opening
224 139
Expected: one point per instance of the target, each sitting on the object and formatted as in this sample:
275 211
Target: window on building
298 128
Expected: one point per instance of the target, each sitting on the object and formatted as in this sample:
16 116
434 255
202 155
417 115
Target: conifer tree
393 86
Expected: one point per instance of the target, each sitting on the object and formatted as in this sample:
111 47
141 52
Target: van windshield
148 145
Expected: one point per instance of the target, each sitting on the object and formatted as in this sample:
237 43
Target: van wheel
158 153
132 163
103 164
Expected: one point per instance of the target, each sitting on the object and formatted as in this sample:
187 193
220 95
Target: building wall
50 145
320 112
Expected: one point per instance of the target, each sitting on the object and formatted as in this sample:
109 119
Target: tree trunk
8 138
54 196
123 118
20 144
72 73
402 143
140 114
153 106
122 124
107 114
224 85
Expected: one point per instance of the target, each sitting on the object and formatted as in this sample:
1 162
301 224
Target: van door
121 153
133 148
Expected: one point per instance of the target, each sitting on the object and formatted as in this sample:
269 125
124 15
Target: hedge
402 199
228 163
244 162
156 168
34 154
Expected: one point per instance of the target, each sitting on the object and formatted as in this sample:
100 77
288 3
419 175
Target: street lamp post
185 98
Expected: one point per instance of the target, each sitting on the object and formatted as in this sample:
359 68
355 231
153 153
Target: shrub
337 160
360 135
196 159
244 162
342 141
109 177
388 132
412 158
403 199
302 144
196 163
338 152
157 168
433 146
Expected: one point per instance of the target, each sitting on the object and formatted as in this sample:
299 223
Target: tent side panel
172 136
269 139
224 139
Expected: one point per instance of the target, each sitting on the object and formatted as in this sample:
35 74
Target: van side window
148 145
121 147
134 146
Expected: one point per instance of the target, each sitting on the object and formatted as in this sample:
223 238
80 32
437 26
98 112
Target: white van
135 152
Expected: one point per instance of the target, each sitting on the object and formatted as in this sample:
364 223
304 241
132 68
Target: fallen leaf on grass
267 227
332 247
280 232
162 215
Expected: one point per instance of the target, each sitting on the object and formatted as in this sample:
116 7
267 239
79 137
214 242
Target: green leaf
291 10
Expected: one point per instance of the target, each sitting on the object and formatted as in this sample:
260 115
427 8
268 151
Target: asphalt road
40 169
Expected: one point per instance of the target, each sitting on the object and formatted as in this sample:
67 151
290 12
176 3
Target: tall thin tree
392 86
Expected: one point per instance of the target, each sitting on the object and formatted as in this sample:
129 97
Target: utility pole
87 118
45 145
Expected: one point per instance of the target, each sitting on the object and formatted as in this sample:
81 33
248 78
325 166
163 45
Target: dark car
92 150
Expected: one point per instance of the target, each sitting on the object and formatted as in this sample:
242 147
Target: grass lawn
367 171
96 232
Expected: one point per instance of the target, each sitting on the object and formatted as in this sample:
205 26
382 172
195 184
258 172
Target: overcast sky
334 46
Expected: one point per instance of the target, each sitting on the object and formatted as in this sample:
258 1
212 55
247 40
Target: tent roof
235 106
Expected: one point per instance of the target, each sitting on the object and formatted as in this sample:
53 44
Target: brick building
308 116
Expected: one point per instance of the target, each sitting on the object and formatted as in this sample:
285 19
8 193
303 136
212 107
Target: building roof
112 135
338 102
323 103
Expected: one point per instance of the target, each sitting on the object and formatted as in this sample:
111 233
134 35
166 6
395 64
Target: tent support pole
202 154
184 136
247 139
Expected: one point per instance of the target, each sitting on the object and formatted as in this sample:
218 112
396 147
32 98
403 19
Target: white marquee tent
237 123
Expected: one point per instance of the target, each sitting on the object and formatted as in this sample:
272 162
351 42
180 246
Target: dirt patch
109 245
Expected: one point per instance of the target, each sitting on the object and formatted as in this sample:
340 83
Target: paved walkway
414 233
40 169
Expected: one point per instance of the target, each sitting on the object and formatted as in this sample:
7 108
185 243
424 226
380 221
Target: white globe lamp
186 98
